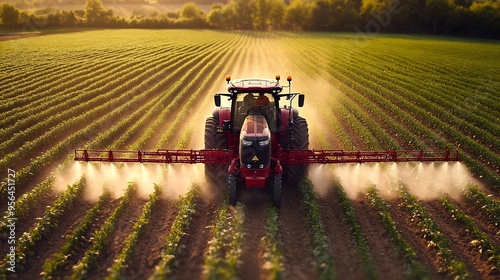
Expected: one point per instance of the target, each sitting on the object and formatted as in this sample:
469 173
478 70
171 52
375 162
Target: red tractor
258 140
260 124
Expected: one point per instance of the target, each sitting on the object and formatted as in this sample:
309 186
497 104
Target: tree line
477 18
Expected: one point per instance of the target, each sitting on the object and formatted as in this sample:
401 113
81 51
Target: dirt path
256 203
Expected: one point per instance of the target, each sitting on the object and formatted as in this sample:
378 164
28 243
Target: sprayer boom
285 157
159 156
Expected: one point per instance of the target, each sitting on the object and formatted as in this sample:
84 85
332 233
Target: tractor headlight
261 166
264 143
246 143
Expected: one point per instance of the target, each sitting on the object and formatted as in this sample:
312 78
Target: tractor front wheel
277 191
233 185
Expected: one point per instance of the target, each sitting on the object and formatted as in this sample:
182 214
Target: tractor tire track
297 253
255 202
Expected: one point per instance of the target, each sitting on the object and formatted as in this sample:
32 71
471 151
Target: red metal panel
340 156
159 156
285 157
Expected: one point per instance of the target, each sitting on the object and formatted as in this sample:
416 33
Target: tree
298 15
437 12
9 15
191 11
242 10
96 15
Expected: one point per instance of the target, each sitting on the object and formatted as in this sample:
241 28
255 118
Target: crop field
140 89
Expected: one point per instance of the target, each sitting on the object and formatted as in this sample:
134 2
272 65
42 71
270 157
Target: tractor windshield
263 103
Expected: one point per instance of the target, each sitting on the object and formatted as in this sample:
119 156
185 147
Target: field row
155 91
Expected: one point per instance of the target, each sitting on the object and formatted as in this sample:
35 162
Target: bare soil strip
148 249
254 227
122 229
298 257
383 251
195 242
413 235
54 240
459 242
348 264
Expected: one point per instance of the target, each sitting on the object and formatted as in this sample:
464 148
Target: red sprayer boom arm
285 157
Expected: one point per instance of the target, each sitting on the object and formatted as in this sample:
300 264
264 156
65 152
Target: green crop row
432 234
72 100
84 266
487 203
356 79
357 234
224 249
172 246
179 91
271 242
31 238
113 91
404 250
482 241
423 98
321 251
131 241
28 201
59 259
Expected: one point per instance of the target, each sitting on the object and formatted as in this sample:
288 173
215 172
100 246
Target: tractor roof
254 86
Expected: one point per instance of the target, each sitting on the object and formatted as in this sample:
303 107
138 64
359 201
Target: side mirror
217 100
301 100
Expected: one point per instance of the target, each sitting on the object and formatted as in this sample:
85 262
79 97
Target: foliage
433 235
481 240
487 203
415 268
55 263
101 237
129 244
321 251
271 242
49 220
224 249
172 247
365 17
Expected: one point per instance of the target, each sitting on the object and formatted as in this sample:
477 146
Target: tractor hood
255 143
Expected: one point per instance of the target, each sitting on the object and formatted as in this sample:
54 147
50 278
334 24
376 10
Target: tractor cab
254 96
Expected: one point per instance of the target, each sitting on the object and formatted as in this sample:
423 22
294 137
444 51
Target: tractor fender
222 114
287 115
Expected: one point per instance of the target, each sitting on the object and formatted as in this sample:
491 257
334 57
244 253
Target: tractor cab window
257 104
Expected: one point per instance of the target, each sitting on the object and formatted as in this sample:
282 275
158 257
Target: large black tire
299 139
232 183
277 191
216 173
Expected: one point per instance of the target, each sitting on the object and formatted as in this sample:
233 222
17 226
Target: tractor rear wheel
299 140
216 173
277 191
232 182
